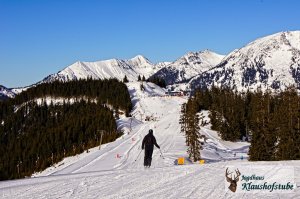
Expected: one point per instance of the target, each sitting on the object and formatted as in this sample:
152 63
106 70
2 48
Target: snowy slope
188 66
269 62
189 181
113 68
6 93
112 171
164 114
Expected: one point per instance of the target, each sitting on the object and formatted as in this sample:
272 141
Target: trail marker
180 161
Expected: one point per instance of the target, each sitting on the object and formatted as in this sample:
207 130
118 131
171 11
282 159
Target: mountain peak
205 57
188 66
139 60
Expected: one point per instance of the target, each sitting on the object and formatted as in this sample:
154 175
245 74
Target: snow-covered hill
270 62
164 113
112 68
188 66
116 170
6 93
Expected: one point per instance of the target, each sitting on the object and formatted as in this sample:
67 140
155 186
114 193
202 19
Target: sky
41 37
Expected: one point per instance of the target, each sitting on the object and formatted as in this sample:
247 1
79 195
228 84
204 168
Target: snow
116 170
20 90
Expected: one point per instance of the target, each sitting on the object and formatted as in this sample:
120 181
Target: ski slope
116 170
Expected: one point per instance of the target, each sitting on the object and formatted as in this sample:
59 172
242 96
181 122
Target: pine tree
183 119
125 80
139 78
193 135
288 133
263 125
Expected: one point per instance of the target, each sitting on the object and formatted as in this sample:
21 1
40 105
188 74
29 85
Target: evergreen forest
35 136
270 122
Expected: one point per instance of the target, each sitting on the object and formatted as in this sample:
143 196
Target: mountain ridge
271 62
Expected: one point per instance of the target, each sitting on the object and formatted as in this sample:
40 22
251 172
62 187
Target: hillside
46 123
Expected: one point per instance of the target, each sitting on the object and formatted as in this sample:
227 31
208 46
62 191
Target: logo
233 181
260 178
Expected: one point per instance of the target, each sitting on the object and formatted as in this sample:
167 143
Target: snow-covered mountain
188 66
6 93
112 68
180 70
270 62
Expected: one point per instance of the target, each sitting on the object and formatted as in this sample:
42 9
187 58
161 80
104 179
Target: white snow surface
116 170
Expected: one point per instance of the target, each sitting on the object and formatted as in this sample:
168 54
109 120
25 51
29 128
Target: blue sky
40 37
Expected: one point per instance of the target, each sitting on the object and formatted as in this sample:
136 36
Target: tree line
156 80
109 91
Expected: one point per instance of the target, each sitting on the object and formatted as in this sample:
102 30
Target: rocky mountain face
271 62
188 66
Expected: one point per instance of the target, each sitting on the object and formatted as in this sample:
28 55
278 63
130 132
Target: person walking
148 144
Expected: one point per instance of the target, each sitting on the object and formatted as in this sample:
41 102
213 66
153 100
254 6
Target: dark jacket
149 141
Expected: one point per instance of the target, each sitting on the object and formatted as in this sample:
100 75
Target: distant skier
148 144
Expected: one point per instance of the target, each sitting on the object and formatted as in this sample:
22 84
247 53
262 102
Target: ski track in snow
100 174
